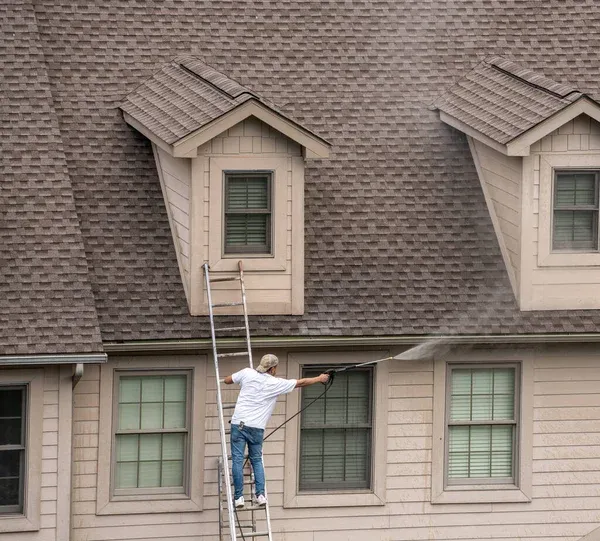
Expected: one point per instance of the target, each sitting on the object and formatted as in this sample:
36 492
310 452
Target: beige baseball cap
268 361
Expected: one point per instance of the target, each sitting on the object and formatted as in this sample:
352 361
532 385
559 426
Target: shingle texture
398 238
182 97
502 100
46 301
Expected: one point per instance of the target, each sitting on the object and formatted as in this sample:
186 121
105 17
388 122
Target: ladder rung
253 508
224 279
254 534
236 354
228 406
223 329
219 304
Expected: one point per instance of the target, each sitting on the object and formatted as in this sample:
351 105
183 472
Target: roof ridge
528 77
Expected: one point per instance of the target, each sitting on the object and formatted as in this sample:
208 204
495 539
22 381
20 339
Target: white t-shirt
257 397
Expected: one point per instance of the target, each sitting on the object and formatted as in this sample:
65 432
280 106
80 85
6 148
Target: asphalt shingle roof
398 238
502 100
46 301
183 96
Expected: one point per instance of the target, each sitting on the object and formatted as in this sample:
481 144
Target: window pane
172 473
150 446
152 415
129 389
575 189
152 389
129 416
575 229
175 415
175 389
127 447
11 402
9 491
126 475
458 454
247 192
149 474
10 431
173 446
246 229
502 451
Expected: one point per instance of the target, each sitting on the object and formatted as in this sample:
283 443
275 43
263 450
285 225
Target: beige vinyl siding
175 179
54 492
548 284
566 466
273 285
500 177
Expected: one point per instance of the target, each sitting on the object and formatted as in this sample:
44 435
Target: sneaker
261 501
239 503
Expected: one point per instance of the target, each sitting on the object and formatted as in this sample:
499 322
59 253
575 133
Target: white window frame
492 491
376 495
29 520
153 501
549 164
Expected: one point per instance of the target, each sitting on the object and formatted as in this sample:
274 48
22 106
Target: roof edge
252 107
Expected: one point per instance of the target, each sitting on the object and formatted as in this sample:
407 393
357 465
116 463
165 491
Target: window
482 443
336 432
482 430
247 213
12 448
336 450
575 211
151 436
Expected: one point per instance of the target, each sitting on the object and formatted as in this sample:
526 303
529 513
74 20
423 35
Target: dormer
535 144
231 169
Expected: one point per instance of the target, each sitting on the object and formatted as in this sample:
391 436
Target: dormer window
231 169
247 219
575 211
535 145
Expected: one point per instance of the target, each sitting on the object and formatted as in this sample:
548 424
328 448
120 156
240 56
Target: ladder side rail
245 307
230 509
267 512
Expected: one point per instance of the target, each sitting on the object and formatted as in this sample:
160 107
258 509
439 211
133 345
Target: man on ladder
256 401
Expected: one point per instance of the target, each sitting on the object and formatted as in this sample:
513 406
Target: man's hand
323 378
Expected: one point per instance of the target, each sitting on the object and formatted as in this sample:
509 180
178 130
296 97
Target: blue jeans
254 438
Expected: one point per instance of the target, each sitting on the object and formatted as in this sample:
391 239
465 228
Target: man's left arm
228 380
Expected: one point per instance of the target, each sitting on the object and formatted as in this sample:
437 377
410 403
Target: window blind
247 212
152 435
336 433
477 449
575 219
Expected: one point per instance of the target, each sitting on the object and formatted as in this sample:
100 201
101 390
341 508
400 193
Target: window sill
174 504
17 523
480 494
334 499
568 259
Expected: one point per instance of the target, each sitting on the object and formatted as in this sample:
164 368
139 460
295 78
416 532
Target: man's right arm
305 382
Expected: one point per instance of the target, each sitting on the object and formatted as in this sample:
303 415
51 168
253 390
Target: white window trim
29 521
548 165
108 504
482 493
292 498
276 261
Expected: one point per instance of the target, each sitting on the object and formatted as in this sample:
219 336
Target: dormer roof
187 102
508 107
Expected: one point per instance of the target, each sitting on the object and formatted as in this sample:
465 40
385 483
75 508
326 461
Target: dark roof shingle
502 100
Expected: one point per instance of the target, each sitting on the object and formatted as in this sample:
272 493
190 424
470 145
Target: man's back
258 396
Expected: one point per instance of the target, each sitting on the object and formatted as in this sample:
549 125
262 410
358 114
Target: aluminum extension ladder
234 524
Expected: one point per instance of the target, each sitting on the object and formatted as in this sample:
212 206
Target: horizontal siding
176 176
566 469
502 176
